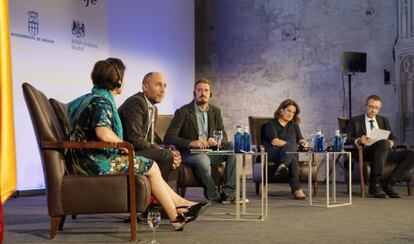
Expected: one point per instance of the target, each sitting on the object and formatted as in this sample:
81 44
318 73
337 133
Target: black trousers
163 157
279 156
379 153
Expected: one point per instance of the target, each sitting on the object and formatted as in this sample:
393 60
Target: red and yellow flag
7 146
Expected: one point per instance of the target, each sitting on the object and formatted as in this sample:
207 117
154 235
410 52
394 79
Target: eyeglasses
373 107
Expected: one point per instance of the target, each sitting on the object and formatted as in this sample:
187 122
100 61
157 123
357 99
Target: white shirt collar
368 124
149 104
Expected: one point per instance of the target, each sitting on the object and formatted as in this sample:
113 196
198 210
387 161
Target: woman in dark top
282 134
94 117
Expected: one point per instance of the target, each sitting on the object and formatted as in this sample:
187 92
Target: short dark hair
373 97
203 81
105 74
286 104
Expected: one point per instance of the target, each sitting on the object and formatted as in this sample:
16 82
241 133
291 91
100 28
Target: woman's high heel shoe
181 218
196 209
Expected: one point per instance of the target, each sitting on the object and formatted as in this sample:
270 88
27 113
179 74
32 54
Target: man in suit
192 128
138 115
359 129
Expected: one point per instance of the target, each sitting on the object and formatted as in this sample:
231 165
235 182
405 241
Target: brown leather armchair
256 124
365 166
76 194
186 176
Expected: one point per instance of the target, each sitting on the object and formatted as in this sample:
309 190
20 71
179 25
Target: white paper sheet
376 135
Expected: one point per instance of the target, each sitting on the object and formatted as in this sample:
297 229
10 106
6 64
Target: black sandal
196 209
181 218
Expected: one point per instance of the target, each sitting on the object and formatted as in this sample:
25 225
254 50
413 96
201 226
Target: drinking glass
344 137
154 219
218 136
310 141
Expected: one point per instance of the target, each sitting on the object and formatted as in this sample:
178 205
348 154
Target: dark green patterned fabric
85 114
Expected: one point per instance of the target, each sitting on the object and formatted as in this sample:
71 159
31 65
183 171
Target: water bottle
246 139
337 144
315 140
238 140
318 146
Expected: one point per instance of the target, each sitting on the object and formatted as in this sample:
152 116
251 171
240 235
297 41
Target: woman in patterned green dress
94 117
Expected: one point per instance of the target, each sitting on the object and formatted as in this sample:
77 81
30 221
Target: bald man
138 115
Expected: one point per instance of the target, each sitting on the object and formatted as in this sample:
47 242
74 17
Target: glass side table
241 213
329 156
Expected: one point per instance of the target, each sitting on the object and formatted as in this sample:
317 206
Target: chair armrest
401 147
349 147
94 145
89 144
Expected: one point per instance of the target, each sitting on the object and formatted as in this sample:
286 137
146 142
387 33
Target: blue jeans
200 163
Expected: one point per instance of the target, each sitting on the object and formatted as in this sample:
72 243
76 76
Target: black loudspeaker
117 83
387 77
354 62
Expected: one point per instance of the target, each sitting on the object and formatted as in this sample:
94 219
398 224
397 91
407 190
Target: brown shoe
299 195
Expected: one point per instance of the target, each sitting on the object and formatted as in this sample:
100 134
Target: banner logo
93 2
33 23
32 29
80 42
78 29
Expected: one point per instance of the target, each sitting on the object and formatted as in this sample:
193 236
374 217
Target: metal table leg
238 186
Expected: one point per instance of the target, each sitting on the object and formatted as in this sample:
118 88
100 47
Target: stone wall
260 52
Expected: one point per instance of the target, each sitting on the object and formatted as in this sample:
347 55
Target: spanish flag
7 146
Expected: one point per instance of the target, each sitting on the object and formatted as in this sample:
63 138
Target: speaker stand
349 95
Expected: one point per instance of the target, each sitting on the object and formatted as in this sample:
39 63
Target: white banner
54 46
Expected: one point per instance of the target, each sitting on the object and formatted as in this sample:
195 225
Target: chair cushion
81 193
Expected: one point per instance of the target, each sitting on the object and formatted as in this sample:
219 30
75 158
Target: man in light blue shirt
192 128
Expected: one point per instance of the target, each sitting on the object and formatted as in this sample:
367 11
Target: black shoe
376 192
282 170
390 191
181 218
196 209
